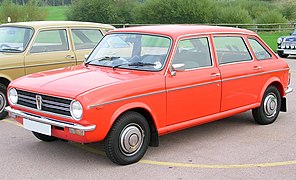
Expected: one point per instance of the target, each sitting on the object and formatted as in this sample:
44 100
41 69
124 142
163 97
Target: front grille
49 104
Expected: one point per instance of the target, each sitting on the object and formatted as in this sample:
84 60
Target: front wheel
128 139
44 137
282 55
3 101
269 108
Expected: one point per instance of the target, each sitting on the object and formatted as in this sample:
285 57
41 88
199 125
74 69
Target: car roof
175 31
43 24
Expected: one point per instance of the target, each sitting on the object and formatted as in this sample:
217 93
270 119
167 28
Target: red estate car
143 82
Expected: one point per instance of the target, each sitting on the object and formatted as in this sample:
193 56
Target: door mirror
177 68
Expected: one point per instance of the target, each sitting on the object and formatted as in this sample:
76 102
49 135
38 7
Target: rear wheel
3 101
128 139
269 108
44 137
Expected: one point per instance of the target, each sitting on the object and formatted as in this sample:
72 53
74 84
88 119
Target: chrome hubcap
2 102
131 139
270 105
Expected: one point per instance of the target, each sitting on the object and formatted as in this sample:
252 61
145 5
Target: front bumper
53 122
287 51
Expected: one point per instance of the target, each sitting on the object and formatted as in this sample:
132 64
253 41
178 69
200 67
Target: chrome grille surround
49 104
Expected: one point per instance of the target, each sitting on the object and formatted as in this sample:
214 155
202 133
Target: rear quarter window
260 52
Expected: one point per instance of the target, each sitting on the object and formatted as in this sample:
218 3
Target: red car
143 82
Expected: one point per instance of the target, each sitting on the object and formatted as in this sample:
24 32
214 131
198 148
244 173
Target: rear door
84 40
241 79
50 50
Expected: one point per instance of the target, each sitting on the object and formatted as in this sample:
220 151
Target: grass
270 38
56 13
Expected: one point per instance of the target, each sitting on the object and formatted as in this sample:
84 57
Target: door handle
70 56
257 67
215 74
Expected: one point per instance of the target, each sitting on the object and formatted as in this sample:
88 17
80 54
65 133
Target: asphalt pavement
231 148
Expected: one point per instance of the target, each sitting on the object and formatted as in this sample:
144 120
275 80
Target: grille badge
39 102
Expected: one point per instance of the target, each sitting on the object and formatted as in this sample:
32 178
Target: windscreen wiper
134 64
141 64
106 58
10 49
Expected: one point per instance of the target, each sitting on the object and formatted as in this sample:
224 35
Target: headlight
12 96
280 40
76 110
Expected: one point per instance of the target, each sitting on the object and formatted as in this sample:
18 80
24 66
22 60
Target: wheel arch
5 81
144 110
273 82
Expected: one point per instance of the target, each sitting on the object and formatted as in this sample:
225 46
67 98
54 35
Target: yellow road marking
217 166
174 164
12 122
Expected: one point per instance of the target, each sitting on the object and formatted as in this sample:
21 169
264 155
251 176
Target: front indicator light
77 132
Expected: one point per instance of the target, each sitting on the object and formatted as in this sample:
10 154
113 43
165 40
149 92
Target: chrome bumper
17 113
288 90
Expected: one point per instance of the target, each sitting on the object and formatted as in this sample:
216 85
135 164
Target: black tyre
128 139
3 101
269 108
44 137
282 55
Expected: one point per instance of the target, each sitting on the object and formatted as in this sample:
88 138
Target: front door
50 50
195 90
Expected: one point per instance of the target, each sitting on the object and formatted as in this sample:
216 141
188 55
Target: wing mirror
177 68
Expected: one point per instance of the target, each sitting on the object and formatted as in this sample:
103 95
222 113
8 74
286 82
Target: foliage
17 13
232 15
93 11
271 17
177 11
288 9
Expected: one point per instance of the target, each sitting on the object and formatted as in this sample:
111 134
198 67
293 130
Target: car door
194 86
241 80
84 40
49 50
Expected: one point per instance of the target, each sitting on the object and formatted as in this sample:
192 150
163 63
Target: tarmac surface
231 148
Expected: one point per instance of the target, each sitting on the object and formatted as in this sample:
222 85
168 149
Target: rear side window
193 53
86 38
231 50
260 52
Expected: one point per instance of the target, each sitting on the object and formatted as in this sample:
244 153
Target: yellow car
30 47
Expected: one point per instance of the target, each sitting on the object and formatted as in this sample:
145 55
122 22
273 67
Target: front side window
193 53
86 38
14 39
131 51
260 52
50 41
231 49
